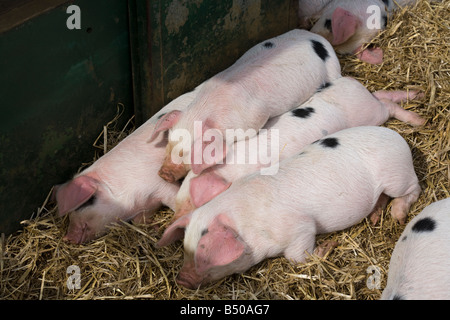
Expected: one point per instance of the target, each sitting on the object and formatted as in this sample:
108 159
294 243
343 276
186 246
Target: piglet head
85 199
211 253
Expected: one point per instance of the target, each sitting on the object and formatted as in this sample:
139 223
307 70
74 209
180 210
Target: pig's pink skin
126 183
166 122
76 193
345 103
381 204
344 25
420 263
399 95
206 186
188 277
265 82
278 215
370 55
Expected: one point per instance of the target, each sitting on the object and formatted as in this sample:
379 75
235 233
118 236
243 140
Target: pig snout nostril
186 281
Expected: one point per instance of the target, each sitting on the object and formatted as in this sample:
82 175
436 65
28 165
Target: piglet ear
166 122
220 245
205 187
175 231
344 25
75 193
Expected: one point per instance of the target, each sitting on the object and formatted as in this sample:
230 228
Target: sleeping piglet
350 24
268 80
339 104
420 262
122 184
330 185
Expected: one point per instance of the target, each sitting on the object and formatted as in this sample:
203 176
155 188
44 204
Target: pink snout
81 231
188 277
76 234
172 172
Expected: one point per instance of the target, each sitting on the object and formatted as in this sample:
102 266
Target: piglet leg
398 96
401 205
324 248
401 114
381 204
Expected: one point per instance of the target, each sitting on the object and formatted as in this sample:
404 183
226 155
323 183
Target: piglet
309 11
420 262
330 185
269 79
123 184
349 25
339 104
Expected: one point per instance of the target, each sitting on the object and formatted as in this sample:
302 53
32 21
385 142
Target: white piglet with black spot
349 24
268 80
420 262
337 105
331 185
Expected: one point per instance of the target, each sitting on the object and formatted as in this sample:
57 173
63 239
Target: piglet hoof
156 227
325 248
381 204
415 95
372 55
144 218
375 216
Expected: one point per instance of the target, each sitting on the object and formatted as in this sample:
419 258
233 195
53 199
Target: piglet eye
204 231
88 203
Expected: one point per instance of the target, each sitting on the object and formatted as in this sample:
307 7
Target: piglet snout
189 280
172 172
188 277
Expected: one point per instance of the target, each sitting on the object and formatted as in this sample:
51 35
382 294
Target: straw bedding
124 264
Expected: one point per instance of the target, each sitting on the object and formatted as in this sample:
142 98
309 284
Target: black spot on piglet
303 112
204 231
268 44
328 25
324 86
330 142
424 225
320 49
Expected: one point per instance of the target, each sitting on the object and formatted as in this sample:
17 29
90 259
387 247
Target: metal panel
58 87
180 43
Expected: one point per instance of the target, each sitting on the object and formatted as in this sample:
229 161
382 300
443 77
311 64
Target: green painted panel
58 87
191 40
